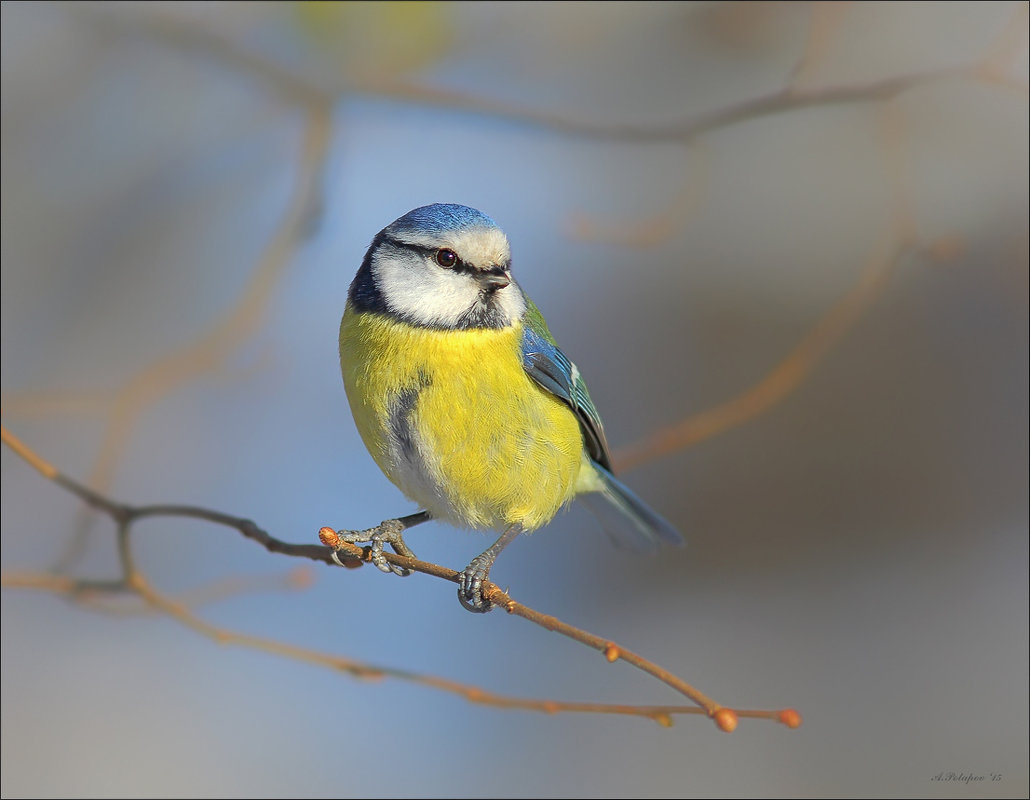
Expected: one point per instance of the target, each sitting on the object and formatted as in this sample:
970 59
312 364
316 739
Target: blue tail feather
626 518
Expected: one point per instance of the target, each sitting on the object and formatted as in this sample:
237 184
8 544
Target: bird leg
391 532
470 586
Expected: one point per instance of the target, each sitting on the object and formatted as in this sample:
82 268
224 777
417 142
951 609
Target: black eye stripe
430 253
459 266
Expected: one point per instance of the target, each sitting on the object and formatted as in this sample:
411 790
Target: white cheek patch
421 291
431 296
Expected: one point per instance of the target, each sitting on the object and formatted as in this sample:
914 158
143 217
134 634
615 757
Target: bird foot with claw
470 586
390 532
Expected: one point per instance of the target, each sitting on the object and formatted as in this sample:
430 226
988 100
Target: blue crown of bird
464 399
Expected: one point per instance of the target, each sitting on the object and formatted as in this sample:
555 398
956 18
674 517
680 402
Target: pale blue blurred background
859 552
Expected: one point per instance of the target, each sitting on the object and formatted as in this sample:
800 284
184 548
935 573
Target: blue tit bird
463 397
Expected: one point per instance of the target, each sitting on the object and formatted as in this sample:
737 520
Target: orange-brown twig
134 581
900 236
994 69
98 595
190 36
783 379
213 347
81 590
498 597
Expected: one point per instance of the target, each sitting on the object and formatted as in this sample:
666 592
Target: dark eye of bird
446 258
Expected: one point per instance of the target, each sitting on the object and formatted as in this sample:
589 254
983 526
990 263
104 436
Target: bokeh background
187 191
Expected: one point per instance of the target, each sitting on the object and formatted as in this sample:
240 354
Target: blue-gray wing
546 364
632 523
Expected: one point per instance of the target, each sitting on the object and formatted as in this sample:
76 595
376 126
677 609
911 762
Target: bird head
440 266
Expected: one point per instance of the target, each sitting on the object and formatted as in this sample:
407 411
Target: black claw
470 594
389 532
470 589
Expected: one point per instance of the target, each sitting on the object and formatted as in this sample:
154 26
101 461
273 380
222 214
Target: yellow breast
455 422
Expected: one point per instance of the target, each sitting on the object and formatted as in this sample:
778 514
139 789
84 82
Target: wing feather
546 364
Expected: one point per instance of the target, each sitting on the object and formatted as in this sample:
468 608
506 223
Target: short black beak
494 278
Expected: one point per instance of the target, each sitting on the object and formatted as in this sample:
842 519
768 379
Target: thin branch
210 350
296 87
133 580
158 25
825 20
498 597
662 225
80 591
784 101
102 595
995 69
781 381
1004 54
900 237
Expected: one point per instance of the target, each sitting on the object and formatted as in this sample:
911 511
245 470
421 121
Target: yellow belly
452 418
